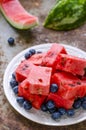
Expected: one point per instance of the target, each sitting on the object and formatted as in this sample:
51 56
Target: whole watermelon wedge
16 15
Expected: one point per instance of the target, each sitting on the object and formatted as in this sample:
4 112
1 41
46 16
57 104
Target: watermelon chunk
70 87
52 54
37 58
36 100
60 102
72 64
23 70
38 80
16 15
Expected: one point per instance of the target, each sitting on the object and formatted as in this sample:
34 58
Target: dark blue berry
62 111
52 110
32 51
83 99
84 105
15 90
13 75
50 104
43 107
77 104
70 112
27 105
56 115
20 100
13 83
27 55
53 88
11 41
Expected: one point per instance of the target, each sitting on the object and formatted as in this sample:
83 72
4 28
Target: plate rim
19 55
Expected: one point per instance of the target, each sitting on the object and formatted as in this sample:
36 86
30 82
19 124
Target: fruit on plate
38 80
37 58
72 64
35 99
66 15
52 54
16 15
57 91
70 87
23 70
60 102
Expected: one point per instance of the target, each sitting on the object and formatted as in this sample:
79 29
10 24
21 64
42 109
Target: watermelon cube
23 70
70 87
36 59
52 54
60 102
36 100
38 80
72 64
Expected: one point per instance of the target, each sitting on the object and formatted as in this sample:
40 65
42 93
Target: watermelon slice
72 64
38 80
52 54
37 58
70 87
23 70
36 100
16 15
60 102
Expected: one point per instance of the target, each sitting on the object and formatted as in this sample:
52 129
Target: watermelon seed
40 80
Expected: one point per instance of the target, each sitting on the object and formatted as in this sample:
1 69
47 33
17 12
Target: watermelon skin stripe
66 15
16 15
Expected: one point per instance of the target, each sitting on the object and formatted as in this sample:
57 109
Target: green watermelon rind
66 15
18 25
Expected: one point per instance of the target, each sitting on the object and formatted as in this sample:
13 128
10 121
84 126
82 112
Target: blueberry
13 83
32 51
13 75
84 105
56 115
62 111
50 104
15 90
52 110
83 99
20 100
53 88
27 55
43 107
27 105
70 112
11 41
77 104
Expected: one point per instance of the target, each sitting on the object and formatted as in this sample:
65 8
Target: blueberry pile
49 106
56 113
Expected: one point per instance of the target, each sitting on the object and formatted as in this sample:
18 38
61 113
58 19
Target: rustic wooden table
10 119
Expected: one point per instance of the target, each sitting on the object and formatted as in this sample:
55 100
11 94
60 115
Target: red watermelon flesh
37 58
70 87
36 100
23 70
38 80
60 102
52 54
16 15
72 64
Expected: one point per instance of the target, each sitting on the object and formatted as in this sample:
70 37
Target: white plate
37 115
